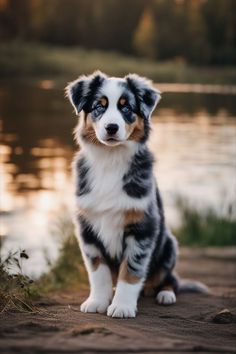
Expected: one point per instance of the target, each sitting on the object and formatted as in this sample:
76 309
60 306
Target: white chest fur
106 202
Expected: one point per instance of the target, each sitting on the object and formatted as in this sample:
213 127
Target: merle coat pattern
119 213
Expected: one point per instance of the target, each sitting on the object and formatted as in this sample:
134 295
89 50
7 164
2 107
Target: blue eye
125 109
99 108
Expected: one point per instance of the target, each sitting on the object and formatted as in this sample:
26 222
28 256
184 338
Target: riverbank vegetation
22 60
205 228
16 290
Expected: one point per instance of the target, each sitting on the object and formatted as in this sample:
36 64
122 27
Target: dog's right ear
81 91
146 95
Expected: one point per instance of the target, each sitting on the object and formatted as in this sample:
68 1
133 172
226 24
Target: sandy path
189 326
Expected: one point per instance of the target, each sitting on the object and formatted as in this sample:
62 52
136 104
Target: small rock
223 317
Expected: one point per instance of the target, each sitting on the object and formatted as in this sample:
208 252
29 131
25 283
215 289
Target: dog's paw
94 305
121 311
166 297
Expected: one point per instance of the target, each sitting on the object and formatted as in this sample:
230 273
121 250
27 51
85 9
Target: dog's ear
81 91
146 95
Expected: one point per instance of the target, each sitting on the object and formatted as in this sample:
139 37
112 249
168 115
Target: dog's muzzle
112 129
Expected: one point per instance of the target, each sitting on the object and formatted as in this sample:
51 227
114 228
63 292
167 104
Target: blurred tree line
201 32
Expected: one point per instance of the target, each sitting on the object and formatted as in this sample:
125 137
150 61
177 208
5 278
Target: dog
120 222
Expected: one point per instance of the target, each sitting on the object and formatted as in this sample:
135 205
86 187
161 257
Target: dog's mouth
112 141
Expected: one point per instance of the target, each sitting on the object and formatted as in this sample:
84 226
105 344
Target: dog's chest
105 202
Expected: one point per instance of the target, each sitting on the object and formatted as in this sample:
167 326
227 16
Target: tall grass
68 271
16 289
205 228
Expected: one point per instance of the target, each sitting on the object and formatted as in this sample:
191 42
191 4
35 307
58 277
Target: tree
145 35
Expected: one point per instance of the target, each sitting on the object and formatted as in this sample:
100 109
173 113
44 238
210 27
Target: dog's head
114 109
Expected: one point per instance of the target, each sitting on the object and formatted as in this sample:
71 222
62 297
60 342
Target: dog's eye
99 108
126 109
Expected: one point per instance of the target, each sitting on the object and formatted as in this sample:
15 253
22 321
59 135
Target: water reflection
196 159
194 140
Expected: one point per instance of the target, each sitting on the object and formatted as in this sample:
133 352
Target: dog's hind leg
167 289
167 294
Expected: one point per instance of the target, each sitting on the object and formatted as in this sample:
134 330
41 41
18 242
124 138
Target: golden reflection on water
29 203
195 159
50 171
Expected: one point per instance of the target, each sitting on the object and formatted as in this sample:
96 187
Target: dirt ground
195 324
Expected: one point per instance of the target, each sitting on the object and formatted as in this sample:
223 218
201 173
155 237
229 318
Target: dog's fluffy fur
120 220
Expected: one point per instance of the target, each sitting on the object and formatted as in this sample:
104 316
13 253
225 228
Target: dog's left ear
146 95
81 91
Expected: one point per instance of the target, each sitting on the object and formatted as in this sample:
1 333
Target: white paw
94 305
121 311
166 297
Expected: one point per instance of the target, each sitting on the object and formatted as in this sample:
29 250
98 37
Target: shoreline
42 61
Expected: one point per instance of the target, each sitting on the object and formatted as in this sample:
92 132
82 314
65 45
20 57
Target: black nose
112 128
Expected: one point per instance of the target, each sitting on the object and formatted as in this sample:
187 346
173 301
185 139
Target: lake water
193 139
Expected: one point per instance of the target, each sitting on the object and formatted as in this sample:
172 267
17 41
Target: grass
22 60
16 289
205 228
18 292
68 271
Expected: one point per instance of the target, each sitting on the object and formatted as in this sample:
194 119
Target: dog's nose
111 128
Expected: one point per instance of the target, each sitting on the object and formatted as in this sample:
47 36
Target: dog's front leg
100 280
124 303
132 275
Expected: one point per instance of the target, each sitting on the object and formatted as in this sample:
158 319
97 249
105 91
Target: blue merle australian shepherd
119 214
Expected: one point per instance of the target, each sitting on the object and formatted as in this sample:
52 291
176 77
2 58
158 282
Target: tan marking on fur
87 131
96 261
167 287
114 275
85 116
152 283
81 212
122 101
133 216
103 101
125 275
136 129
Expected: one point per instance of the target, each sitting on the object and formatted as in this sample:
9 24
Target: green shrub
16 289
205 228
68 271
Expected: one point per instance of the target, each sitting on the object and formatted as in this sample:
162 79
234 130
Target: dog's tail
191 286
